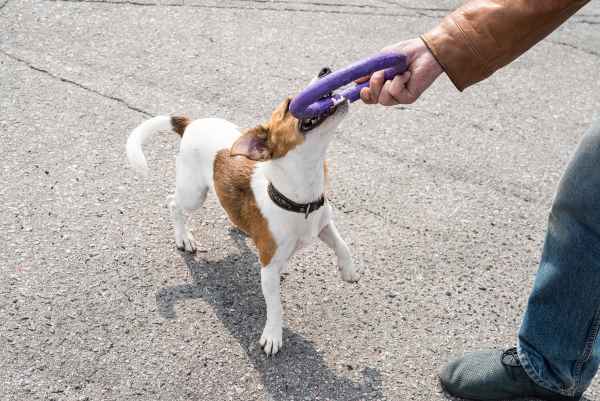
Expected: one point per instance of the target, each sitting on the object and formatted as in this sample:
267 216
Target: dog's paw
271 340
348 272
186 242
350 276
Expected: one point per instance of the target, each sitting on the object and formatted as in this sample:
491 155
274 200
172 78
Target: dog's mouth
308 124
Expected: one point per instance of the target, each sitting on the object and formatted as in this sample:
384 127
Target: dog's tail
147 129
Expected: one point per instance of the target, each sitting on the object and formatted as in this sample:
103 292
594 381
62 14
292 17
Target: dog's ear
253 144
281 110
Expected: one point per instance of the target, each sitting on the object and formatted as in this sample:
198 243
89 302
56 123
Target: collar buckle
307 212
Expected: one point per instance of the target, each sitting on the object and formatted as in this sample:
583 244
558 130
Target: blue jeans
558 341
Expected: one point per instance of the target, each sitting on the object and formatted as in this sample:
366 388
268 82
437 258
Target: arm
469 44
483 36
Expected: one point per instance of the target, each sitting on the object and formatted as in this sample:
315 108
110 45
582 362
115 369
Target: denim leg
558 341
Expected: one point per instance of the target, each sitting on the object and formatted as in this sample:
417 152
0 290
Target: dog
270 180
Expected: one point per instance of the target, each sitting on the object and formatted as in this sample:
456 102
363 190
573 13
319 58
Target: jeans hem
528 367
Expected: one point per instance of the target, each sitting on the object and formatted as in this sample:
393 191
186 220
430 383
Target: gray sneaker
493 376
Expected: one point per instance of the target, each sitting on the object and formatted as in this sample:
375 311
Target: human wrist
434 65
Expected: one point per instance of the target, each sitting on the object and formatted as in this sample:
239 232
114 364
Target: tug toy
318 98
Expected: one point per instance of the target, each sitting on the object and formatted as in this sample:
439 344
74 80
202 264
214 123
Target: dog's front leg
271 339
330 235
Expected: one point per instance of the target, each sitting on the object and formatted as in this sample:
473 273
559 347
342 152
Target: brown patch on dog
273 139
232 176
179 124
284 134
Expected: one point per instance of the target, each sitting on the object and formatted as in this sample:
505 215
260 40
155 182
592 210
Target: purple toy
317 99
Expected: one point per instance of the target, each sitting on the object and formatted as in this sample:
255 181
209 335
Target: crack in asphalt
440 9
372 6
113 2
77 84
262 8
314 3
572 46
509 190
417 109
587 22
343 209
3 4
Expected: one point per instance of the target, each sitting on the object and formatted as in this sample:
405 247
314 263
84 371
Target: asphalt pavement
443 202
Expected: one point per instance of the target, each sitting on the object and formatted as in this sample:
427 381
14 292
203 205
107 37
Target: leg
558 340
330 235
558 350
190 194
271 339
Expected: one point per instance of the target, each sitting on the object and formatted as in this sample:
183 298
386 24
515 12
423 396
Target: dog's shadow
297 372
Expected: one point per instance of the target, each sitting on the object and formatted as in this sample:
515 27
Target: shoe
493 376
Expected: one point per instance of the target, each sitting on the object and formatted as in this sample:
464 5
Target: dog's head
284 132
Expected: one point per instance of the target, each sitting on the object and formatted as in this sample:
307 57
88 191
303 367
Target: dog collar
285 203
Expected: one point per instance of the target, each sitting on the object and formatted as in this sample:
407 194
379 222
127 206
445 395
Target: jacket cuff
459 57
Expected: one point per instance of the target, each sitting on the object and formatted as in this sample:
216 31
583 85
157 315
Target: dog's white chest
306 237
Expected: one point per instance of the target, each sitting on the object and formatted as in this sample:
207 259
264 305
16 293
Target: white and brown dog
270 180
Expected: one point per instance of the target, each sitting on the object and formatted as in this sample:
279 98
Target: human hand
423 69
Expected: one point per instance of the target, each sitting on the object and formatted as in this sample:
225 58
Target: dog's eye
306 125
309 123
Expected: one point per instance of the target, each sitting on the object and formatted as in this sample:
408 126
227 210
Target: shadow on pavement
298 372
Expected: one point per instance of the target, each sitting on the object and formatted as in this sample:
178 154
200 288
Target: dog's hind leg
190 194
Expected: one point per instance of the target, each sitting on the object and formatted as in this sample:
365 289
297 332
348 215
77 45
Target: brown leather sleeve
484 35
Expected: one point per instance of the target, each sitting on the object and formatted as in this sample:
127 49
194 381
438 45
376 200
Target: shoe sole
451 397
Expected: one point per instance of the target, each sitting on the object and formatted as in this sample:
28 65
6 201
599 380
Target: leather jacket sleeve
482 36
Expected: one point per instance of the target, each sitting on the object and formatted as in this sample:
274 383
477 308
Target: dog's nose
324 71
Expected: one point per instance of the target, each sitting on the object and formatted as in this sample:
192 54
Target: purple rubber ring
308 103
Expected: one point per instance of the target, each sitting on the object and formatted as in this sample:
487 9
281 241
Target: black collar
283 202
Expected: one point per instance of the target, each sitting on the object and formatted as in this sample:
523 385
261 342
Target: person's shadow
297 372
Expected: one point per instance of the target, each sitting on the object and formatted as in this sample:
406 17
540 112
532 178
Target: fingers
376 84
388 93
371 94
398 84
365 93
365 96
385 97
399 91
